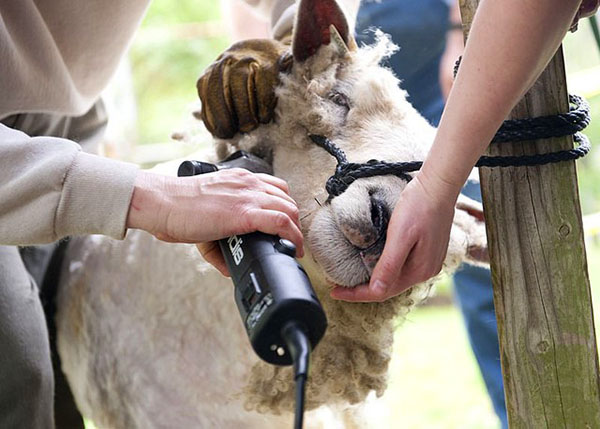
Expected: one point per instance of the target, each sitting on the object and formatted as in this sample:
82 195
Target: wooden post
539 271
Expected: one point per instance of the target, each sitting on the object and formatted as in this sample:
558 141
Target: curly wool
350 361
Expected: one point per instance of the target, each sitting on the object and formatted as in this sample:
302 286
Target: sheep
148 332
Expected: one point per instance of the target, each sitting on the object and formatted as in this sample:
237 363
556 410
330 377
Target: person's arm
208 207
50 189
510 43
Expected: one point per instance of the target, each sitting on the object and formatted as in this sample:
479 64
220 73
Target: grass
435 381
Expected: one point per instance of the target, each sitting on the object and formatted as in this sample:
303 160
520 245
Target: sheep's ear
474 226
318 23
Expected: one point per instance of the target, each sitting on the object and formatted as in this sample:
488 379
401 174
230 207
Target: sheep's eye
339 99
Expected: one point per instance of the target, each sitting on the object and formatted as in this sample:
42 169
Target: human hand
208 207
237 90
211 252
416 244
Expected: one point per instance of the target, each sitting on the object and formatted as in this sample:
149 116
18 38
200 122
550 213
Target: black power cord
295 336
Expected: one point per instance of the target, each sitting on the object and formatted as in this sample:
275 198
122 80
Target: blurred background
435 382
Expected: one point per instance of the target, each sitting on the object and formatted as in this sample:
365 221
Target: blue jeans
418 27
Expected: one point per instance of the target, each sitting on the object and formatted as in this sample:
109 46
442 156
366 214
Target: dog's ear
321 23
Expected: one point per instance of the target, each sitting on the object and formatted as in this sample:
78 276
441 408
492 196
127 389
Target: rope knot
335 186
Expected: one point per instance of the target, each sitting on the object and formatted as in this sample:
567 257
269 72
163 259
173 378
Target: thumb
388 270
212 254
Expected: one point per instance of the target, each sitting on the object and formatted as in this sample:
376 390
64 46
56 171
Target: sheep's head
339 91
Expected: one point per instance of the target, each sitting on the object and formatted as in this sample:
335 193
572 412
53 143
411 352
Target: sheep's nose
380 216
366 234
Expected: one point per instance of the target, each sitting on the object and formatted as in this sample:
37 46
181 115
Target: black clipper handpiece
272 291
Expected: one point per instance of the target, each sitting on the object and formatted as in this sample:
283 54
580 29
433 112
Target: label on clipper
258 310
235 247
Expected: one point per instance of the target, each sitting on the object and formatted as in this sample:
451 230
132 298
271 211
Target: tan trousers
27 381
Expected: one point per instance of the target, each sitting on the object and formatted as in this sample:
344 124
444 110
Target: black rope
540 159
346 173
542 127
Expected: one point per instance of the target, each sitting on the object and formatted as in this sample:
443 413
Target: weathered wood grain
539 271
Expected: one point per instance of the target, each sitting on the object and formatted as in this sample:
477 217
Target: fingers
217 108
236 95
211 253
416 245
403 263
243 93
252 92
390 276
361 293
271 223
276 223
237 90
276 192
273 192
264 82
424 262
277 204
386 277
246 195
213 206
275 181
386 280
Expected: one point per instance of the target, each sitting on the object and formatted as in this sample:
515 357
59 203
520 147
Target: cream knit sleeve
50 188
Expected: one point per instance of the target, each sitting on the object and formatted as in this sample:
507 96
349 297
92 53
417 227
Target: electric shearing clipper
283 318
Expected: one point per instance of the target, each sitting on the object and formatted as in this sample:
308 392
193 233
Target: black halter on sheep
173 353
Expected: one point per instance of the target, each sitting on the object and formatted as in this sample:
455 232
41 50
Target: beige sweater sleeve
50 188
